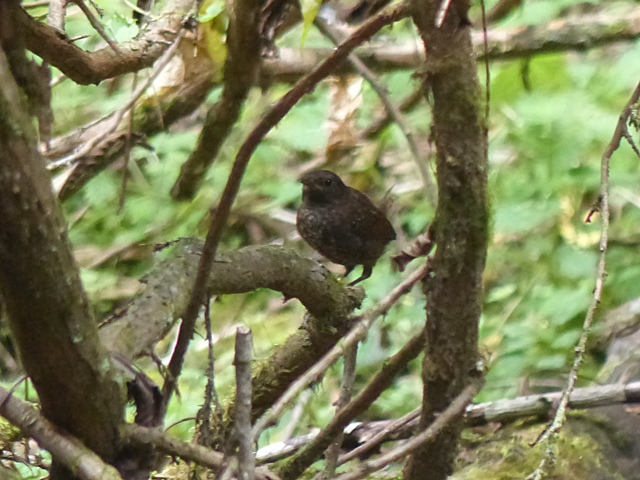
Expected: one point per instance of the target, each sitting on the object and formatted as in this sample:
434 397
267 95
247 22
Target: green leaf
309 12
211 10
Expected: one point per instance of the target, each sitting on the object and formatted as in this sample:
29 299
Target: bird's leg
366 273
349 269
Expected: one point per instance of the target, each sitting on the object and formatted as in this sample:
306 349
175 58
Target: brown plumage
341 223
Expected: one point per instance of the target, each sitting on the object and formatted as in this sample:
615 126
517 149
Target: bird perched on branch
341 223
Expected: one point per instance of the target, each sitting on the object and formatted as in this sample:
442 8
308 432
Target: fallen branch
369 435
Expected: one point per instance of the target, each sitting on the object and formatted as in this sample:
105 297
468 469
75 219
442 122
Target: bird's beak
303 180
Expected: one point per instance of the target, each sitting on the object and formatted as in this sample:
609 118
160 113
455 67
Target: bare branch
393 111
503 411
134 330
576 33
55 14
348 376
316 372
291 64
382 380
95 23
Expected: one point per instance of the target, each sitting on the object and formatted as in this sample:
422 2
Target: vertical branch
242 361
460 228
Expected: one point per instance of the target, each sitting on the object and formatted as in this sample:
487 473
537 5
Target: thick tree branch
460 227
134 331
86 68
357 334
223 209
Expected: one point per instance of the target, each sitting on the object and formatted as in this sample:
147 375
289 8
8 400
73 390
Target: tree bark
48 312
454 287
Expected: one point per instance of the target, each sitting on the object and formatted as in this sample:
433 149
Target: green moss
507 455
8 433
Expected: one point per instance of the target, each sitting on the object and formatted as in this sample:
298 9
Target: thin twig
499 411
550 433
631 142
296 414
268 121
127 152
392 110
97 25
454 410
242 361
380 382
192 452
36 4
356 334
203 424
382 122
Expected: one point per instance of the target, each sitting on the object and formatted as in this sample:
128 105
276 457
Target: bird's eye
327 182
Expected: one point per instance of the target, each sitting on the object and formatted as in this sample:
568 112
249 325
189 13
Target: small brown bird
341 223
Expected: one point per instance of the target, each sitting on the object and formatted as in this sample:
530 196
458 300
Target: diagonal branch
309 454
453 411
